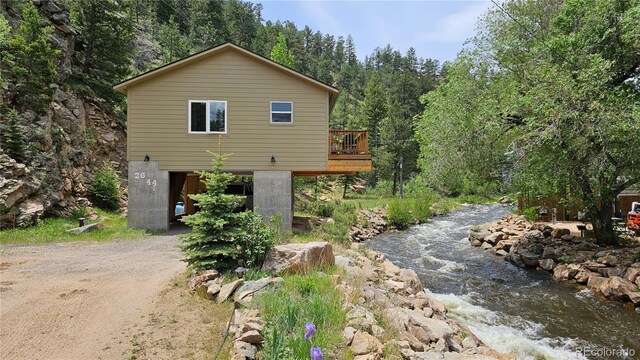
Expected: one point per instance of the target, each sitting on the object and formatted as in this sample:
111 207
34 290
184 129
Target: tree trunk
346 186
395 181
603 225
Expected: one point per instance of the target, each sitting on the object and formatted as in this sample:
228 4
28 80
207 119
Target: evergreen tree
105 52
5 35
215 227
30 58
174 45
14 142
374 107
281 54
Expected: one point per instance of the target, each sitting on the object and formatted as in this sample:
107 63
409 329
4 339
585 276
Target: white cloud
457 27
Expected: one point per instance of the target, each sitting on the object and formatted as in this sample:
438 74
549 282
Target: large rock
411 278
494 238
197 281
618 288
558 233
363 344
295 258
228 289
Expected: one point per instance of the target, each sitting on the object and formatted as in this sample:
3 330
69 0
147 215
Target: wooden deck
348 153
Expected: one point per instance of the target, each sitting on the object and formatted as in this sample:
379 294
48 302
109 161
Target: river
522 312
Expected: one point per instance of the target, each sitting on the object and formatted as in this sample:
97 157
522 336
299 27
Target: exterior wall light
273 159
146 158
240 272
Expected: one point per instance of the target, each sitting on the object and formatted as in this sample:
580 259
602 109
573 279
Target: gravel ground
81 300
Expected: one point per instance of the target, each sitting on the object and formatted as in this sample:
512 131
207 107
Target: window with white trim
281 112
207 117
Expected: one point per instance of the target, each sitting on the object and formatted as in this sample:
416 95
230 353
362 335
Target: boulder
213 288
505 244
486 246
547 264
617 288
609 260
558 233
396 317
595 282
632 274
410 278
228 289
612 271
294 258
360 318
250 288
363 344
494 237
565 272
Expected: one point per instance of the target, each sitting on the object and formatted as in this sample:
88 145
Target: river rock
360 318
396 317
595 282
347 334
632 274
505 244
612 271
363 344
610 260
294 258
617 288
494 237
486 246
547 264
411 278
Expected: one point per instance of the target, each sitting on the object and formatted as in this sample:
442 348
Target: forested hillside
61 120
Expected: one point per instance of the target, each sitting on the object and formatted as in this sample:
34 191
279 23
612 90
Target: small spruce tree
14 143
214 227
221 238
104 188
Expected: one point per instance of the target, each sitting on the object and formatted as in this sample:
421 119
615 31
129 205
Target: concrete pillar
148 196
272 194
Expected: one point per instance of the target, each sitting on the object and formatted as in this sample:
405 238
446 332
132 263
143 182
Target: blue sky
436 29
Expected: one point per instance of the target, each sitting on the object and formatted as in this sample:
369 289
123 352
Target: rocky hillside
66 144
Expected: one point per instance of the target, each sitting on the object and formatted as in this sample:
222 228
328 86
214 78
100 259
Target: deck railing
348 142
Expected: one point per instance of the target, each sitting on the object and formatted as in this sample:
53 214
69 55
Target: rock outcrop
610 271
67 143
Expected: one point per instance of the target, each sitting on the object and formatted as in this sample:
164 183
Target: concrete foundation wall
148 196
272 194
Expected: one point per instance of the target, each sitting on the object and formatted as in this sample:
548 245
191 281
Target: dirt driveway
82 300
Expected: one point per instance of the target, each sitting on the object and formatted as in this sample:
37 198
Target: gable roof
123 86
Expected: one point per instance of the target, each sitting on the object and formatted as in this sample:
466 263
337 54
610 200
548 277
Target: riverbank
384 311
608 271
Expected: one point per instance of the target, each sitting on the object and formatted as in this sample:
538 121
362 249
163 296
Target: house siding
158 117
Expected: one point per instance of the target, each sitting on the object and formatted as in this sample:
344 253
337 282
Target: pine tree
215 227
31 61
374 107
281 54
14 142
104 54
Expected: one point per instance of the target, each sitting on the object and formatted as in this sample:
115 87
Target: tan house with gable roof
273 121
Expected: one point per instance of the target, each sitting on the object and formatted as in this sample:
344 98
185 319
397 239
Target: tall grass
302 298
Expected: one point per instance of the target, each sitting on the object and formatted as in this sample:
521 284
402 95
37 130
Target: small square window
281 112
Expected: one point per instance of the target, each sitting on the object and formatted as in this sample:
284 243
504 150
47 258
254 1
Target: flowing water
523 312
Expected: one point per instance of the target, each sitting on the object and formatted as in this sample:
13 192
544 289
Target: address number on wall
149 182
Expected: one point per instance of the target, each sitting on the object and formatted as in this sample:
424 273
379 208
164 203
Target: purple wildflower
311 330
316 354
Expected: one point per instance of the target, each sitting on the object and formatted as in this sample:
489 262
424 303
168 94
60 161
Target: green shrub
104 188
14 141
255 240
343 215
399 213
421 209
530 213
322 208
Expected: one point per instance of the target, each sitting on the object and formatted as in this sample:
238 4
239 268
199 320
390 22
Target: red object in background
633 217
